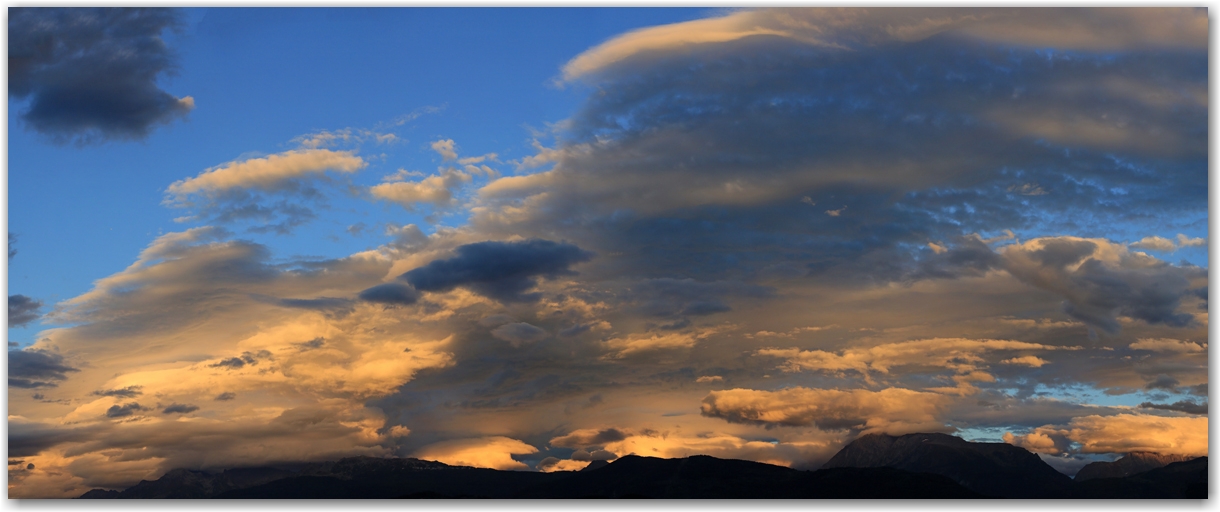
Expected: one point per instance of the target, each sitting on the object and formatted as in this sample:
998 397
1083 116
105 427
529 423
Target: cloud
709 378
22 310
436 190
856 29
445 148
493 452
893 411
1155 243
1120 433
965 357
503 271
192 330
127 392
1030 361
34 368
390 294
552 464
517 334
180 409
1185 406
270 173
1100 280
246 191
122 411
805 454
590 437
1168 345
1185 241
686 172
668 297
90 74
640 343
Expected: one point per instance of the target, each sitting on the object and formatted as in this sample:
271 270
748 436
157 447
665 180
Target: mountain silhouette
701 476
992 469
872 466
1130 464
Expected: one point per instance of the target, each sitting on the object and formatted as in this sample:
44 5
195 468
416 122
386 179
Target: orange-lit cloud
484 452
1121 433
892 411
266 172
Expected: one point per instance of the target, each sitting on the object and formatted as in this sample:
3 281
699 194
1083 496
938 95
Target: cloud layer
761 235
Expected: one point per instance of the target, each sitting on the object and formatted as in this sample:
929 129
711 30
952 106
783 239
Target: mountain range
872 466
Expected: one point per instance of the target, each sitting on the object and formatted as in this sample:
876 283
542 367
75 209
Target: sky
527 239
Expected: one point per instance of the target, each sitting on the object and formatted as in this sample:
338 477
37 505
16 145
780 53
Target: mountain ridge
873 466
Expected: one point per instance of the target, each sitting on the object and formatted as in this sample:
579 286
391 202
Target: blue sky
513 238
271 75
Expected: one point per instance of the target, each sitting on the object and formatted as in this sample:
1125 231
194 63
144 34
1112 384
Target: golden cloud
493 452
891 411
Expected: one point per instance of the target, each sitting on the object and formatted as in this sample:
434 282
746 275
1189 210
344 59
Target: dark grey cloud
504 271
495 320
91 74
330 305
586 439
969 256
1185 406
226 396
721 162
246 358
519 333
12 245
22 310
26 439
668 297
121 411
180 409
127 392
36 368
311 344
391 294
1097 291
1164 382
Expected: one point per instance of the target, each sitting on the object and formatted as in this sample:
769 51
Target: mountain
874 466
185 484
701 476
1186 479
1132 463
628 477
992 469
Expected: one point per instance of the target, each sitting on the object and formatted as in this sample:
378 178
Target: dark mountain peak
1130 464
100 494
992 469
597 464
1186 479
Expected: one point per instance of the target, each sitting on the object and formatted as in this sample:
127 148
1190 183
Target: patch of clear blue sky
261 77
